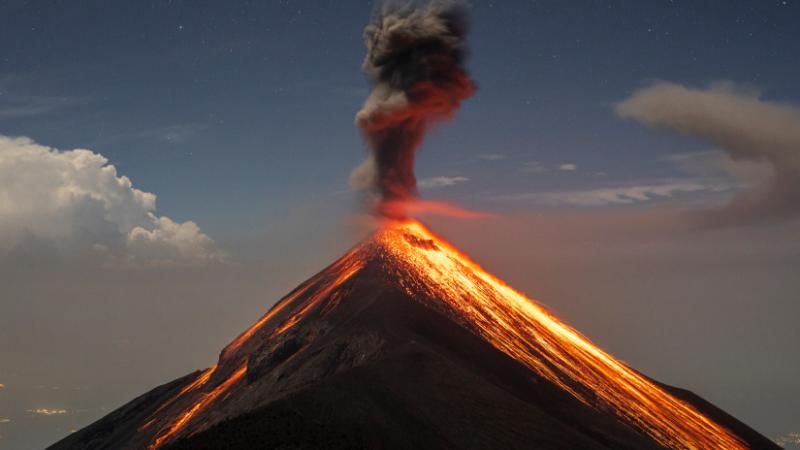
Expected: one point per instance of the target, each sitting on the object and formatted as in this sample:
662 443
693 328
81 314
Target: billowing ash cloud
415 64
68 205
746 128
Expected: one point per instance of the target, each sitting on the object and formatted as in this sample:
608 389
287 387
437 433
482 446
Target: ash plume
415 65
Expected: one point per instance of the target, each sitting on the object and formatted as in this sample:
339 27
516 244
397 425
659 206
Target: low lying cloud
491 156
623 195
746 128
714 164
533 167
441 181
47 411
15 106
72 204
538 167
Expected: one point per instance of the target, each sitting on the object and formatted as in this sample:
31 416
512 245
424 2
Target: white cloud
13 106
176 134
623 195
47 411
75 203
715 164
17 102
169 241
491 157
742 125
364 176
439 182
538 167
534 167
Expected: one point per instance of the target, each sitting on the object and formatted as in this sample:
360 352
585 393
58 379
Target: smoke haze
415 65
744 126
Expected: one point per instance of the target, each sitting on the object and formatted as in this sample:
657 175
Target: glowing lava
204 401
430 271
298 303
534 337
198 382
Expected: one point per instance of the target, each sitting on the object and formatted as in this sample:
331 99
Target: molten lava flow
298 304
322 285
198 382
433 272
244 337
343 273
204 401
531 335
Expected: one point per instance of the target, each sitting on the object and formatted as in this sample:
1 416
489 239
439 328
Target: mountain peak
405 294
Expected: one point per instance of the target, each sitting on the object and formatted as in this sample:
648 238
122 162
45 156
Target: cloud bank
73 204
622 195
744 126
440 182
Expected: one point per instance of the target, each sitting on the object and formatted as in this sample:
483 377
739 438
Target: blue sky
238 116
233 112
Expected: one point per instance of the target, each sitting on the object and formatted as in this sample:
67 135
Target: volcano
405 343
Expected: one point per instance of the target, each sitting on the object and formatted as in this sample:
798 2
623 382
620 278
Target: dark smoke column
415 65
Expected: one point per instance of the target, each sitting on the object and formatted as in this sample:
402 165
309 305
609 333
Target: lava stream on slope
434 273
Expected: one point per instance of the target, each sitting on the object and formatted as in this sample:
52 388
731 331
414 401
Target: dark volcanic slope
431 385
395 375
353 358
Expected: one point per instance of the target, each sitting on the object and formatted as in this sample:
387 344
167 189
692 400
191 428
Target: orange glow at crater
419 207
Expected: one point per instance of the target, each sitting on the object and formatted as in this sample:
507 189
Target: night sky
238 116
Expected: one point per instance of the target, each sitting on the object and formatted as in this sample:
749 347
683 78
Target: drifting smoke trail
415 64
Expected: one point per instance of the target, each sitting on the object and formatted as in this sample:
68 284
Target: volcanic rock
404 343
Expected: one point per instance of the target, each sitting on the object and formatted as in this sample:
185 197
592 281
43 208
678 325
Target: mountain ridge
406 295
